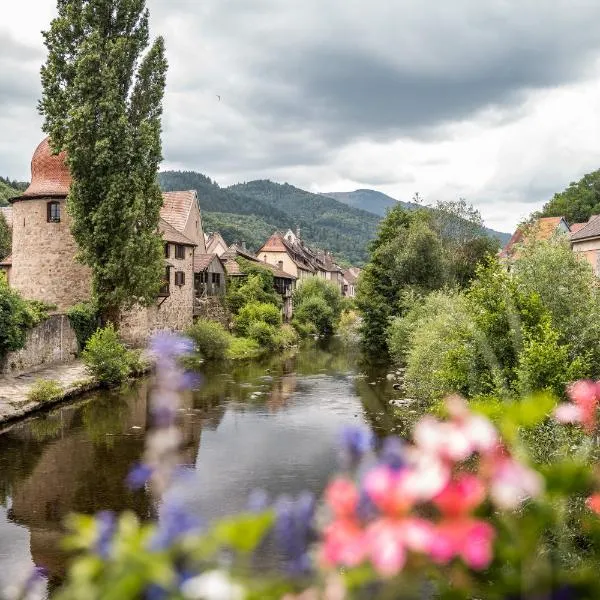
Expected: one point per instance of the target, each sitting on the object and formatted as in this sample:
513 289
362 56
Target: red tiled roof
543 229
591 229
577 227
7 213
50 175
233 268
276 243
203 261
176 208
170 234
7 262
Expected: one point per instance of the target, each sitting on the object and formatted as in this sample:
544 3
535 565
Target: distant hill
370 200
253 211
10 189
378 203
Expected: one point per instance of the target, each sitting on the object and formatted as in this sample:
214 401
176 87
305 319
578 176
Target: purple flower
293 529
106 525
174 521
165 344
258 500
355 442
392 453
138 476
190 381
37 575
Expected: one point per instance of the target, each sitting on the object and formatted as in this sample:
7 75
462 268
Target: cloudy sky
497 101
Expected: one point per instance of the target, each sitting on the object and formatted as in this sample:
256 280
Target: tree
102 103
578 202
5 237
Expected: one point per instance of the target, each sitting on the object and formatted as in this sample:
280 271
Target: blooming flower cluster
422 499
584 396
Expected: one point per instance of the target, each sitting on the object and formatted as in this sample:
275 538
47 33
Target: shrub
257 286
318 313
349 327
84 319
243 348
106 358
256 311
45 390
211 339
17 315
265 334
286 337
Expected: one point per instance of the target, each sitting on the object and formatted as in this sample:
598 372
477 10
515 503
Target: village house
350 281
43 264
284 282
215 244
585 239
209 275
541 229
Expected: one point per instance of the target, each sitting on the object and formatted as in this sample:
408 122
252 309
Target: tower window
53 212
179 278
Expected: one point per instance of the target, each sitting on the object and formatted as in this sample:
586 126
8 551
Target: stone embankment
14 403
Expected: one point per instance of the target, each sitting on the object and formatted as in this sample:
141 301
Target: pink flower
567 412
386 547
593 503
470 539
460 496
342 497
584 394
428 474
390 490
343 544
417 534
512 483
445 440
480 432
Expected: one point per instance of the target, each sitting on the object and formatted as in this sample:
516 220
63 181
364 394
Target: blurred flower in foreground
355 442
584 396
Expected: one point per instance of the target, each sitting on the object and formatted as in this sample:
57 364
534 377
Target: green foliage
578 202
286 337
317 307
264 334
84 319
211 338
17 315
243 348
45 390
98 72
257 286
106 358
5 238
10 189
254 312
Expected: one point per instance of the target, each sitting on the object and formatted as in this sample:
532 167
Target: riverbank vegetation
318 306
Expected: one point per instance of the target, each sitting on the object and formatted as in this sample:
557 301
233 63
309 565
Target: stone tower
43 249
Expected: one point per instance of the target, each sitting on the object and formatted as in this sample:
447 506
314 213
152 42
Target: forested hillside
370 200
10 189
253 211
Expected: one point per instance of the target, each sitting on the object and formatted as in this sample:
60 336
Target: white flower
213 585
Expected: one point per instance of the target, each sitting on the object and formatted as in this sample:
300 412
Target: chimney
243 244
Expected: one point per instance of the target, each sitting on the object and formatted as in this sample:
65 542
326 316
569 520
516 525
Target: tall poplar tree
103 88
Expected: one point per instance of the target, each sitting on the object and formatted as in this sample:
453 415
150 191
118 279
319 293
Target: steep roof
203 261
577 227
276 243
349 276
233 268
543 229
170 234
7 212
213 240
591 230
176 208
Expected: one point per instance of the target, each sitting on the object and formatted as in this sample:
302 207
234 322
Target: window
179 251
164 290
179 278
167 253
216 278
53 213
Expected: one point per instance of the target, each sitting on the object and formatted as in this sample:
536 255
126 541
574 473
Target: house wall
212 289
591 251
52 342
273 258
43 257
193 229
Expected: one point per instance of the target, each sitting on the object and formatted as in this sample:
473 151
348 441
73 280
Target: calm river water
269 425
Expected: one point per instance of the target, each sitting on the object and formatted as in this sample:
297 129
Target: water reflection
269 425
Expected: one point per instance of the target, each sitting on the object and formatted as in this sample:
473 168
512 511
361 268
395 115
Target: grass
45 390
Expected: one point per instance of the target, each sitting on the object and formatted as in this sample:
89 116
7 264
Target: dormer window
53 212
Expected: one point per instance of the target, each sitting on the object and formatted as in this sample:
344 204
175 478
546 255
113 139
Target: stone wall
213 309
43 256
51 342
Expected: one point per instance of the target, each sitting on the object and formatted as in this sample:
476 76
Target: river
271 424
